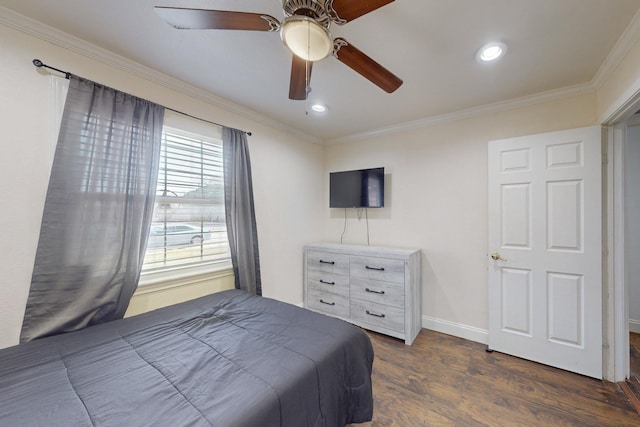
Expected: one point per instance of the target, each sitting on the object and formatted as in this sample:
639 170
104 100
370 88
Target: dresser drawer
380 292
388 270
370 313
332 304
328 262
328 282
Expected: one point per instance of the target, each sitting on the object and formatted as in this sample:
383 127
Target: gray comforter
228 359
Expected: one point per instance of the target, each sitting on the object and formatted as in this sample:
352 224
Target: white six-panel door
545 263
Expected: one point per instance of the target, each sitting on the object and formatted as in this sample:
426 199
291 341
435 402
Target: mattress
227 359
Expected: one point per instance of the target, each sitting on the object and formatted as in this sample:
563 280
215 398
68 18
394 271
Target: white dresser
377 288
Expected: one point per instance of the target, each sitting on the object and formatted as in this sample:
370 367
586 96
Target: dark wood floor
634 344
633 385
446 381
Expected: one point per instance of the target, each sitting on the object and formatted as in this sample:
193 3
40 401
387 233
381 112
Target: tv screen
357 189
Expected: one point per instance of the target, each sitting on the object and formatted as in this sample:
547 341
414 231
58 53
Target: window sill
161 289
165 278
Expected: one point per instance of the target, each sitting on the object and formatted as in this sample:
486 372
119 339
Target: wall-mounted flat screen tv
362 188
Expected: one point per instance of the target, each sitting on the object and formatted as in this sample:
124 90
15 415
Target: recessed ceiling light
491 52
319 108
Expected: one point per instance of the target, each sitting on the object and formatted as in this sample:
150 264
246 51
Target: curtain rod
67 75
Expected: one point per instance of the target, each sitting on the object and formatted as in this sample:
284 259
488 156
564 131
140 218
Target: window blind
188 225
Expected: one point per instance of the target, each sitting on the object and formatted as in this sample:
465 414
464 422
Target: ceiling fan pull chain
306 74
307 87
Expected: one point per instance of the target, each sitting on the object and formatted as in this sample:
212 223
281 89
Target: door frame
616 292
616 356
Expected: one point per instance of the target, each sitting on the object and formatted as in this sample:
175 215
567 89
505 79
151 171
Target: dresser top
387 251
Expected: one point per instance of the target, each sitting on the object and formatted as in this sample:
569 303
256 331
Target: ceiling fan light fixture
306 38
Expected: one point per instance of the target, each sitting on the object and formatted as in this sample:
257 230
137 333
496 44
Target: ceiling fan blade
365 66
204 19
299 80
343 11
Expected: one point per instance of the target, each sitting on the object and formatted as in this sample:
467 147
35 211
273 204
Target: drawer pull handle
374 292
374 268
327 262
327 283
328 303
374 314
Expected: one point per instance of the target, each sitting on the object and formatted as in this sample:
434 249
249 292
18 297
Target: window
188 227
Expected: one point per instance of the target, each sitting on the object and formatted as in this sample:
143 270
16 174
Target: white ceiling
430 44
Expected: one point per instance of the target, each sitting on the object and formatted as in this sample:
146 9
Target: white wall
633 225
436 200
287 170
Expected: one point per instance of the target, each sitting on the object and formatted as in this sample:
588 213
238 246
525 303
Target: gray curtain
98 210
240 211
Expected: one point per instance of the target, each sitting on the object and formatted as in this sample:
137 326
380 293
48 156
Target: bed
227 359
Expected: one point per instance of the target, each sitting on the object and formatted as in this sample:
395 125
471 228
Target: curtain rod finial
37 63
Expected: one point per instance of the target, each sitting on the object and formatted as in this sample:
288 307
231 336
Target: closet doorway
621 170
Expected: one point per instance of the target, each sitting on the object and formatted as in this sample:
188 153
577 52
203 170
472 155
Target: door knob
497 257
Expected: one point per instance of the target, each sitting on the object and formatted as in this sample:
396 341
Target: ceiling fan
304 30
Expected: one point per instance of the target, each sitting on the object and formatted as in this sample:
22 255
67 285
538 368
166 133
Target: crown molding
625 43
627 40
74 44
524 101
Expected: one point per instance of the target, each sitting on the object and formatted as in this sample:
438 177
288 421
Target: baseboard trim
456 329
451 328
634 326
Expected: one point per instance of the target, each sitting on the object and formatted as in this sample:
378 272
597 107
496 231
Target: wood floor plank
634 347
447 381
534 404
552 385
